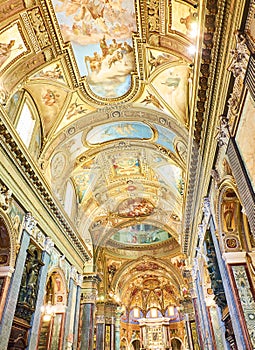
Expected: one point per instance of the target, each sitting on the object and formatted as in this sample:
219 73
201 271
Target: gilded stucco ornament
29 223
5 198
223 131
48 245
240 56
73 273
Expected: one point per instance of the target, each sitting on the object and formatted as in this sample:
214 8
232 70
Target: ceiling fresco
109 84
101 37
119 130
141 234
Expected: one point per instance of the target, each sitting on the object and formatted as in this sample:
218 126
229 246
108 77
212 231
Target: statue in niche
112 268
215 276
228 215
28 287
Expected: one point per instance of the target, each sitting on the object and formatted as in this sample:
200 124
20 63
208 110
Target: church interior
127 175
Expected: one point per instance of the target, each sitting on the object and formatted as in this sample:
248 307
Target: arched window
69 198
26 124
53 313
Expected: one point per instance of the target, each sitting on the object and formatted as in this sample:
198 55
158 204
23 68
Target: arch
135 344
53 311
176 343
169 271
8 245
229 217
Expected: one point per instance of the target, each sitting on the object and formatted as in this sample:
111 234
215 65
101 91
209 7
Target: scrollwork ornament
3 96
206 206
223 131
240 56
100 319
88 297
201 231
48 245
29 223
5 198
40 238
73 273
79 280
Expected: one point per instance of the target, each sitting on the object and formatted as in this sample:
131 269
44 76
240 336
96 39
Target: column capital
90 279
100 319
29 223
73 273
48 245
89 288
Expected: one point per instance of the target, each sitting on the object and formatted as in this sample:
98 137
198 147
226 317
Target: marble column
70 311
100 326
204 317
188 332
77 311
110 317
33 336
12 297
117 328
88 299
237 327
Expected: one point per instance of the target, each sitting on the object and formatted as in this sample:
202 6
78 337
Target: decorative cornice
210 81
202 97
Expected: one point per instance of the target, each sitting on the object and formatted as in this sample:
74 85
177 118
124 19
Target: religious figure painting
82 181
12 45
134 207
53 71
101 37
172 85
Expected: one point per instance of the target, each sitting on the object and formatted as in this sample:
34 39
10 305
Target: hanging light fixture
48 311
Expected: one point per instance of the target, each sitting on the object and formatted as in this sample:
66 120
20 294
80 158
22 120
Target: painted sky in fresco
101 37
141 234
118 130
166 137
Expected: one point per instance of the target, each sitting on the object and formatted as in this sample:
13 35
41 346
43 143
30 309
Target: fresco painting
135 207
53 72
115 131
246 137
166 137
157 58
141 234
125 166
11 49
183 18
92 27
172 85
82 182
172 176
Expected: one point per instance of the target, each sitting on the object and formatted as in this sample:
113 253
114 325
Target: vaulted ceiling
114 85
